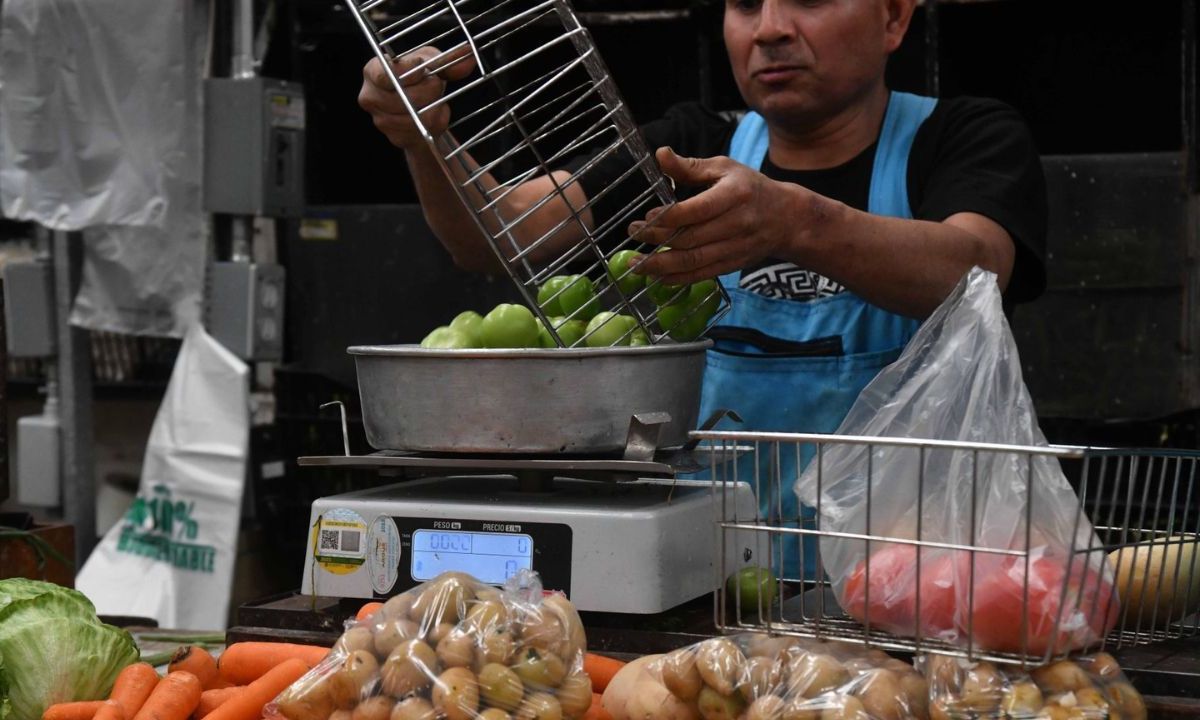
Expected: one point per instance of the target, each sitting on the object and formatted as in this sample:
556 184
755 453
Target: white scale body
631 547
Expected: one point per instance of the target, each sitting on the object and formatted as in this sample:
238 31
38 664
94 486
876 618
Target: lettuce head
54 649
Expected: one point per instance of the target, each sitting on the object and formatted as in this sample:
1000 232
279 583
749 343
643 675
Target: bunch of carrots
248 676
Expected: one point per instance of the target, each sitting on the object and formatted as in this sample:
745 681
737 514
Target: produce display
573 305
758 677
53 649
1086 687
453 648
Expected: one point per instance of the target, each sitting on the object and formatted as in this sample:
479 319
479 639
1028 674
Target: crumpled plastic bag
959 379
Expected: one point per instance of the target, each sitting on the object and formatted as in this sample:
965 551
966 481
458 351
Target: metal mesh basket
539 95
1139 501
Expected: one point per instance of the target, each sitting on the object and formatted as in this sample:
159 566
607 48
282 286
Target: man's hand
423 75
741 218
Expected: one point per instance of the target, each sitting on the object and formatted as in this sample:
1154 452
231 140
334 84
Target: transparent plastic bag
758 677
959 379
1089 687
452 648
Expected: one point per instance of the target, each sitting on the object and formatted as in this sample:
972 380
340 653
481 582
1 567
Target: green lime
608 329
509 326
752 587
468 324
446 338
622 275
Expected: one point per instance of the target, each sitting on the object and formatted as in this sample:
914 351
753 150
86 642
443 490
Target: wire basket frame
1139 502
537 102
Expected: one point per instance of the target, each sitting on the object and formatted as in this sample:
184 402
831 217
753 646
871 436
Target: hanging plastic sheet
100 131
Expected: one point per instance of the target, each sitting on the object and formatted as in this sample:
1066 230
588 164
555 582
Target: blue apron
804 393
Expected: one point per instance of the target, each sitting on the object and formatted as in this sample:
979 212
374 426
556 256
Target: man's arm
451 221
906 266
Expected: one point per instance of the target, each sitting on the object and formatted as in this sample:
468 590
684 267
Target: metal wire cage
540 103
1144 506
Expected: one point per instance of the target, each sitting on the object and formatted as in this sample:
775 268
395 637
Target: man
837 214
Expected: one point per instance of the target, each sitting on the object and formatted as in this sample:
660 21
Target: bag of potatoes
1089 687
758 677
453 648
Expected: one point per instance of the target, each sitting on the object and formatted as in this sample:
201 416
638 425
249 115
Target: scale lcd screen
492 558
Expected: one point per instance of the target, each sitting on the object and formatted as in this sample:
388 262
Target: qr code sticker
350 540
329 539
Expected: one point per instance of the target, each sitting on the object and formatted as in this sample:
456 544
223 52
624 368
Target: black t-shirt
970 155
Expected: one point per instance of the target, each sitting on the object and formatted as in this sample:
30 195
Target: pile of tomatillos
574 307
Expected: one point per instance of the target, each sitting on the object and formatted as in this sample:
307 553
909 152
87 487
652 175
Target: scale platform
639 547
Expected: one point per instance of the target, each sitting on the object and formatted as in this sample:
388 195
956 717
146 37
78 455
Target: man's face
804 60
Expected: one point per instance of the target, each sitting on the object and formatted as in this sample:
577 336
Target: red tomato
1000 605
893 596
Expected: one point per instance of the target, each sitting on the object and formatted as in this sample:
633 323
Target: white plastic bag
100 131
959 379
172 556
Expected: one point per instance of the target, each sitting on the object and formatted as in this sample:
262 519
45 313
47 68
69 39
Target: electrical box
245 308
254 147
29 308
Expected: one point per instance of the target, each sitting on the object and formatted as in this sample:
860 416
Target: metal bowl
577 400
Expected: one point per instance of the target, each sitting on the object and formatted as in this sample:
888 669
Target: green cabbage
54 649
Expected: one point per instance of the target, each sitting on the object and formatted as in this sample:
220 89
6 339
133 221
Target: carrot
174 698
197 661
221 683
110 710
212 699
83 710
601 670
248 704
243 663
597 711
133 685
367 610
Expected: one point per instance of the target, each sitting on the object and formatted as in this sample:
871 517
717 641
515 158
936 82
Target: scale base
641 547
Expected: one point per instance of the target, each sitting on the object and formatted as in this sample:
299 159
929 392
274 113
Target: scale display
490 557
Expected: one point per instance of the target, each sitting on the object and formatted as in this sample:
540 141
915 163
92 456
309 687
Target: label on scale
338 541
383 554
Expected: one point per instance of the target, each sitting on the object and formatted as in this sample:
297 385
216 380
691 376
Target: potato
457 649
770 647
359 637
1061 677
539 669
679 674
848 708
484 616
1091 697
720 664
374 708
916 694
397 607
356 672
438 632
540 706
759 676
1021 697
335 715
543 630
498 646
443 600
412 666
714 706
311 702
982 688
897 666
650 700
881 695
413 708
494 714
1128 701
767 707
456 694
576 638
1159 583
811 675
500 687
393 632
619 693
1102 665
575 695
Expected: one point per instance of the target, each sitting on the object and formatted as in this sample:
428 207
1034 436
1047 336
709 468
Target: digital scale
621 536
